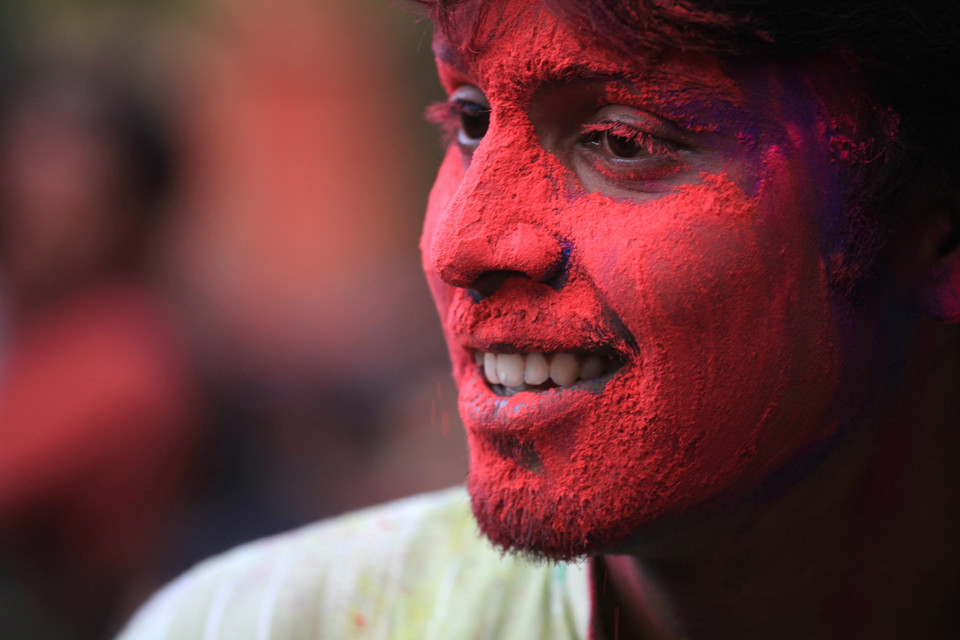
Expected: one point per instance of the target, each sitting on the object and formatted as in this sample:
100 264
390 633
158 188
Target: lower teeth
501 390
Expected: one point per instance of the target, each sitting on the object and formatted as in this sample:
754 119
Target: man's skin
754 454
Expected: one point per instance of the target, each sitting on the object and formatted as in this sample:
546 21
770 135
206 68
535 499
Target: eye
619 145
622 140
629 148
464 118
473 114
474 121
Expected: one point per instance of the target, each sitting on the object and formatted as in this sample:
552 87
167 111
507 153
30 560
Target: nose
480 261
494 226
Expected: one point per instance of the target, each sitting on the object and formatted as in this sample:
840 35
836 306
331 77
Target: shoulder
416 568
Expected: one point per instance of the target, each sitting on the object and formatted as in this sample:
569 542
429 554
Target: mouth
508 374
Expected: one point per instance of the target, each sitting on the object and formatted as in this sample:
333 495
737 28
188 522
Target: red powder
708 281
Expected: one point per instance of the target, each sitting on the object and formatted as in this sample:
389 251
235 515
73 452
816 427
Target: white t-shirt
415 569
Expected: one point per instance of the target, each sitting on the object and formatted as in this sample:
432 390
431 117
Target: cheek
733 324
443 191
437 234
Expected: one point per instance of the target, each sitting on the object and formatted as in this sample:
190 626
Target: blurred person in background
97 414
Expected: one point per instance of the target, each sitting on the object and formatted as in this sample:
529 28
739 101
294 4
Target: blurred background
213 325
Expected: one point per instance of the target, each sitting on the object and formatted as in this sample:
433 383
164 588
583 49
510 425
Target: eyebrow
647 84
448 54
643 72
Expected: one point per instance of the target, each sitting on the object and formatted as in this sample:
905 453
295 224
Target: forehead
515 48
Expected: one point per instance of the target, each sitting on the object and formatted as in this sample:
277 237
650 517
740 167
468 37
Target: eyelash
448 115
654 146
444 115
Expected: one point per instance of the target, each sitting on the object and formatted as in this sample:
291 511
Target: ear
939 290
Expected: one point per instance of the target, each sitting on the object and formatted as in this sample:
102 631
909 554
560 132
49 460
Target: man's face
657 234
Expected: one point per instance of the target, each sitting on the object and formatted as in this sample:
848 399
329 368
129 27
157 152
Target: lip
529 412
603 342
574 320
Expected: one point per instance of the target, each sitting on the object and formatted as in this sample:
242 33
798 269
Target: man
697 269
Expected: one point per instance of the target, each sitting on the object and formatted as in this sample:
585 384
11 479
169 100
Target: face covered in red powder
630 259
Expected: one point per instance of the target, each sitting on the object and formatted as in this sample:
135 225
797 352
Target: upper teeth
514 370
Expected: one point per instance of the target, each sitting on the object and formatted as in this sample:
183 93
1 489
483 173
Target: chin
521 508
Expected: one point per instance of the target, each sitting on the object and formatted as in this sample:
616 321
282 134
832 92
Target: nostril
554 276
488 283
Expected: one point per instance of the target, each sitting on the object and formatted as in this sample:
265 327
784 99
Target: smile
508 374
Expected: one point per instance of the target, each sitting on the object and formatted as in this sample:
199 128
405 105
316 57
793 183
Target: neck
864 547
